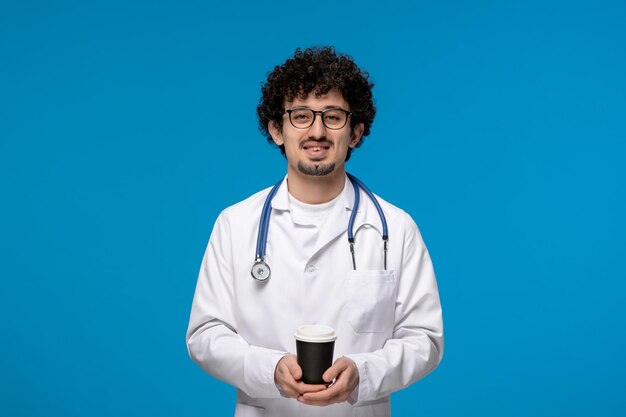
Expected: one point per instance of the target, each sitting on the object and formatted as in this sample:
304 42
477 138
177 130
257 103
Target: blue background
125 127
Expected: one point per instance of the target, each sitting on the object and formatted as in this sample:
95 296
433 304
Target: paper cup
315 344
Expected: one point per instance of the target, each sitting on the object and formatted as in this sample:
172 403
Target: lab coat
387 321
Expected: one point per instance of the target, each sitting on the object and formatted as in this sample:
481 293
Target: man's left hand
346 376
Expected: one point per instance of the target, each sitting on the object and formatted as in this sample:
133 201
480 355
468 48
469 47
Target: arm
212 339
416 346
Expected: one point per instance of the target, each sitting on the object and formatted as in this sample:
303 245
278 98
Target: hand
347 379
287 378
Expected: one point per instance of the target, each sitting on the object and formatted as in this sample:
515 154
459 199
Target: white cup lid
315 333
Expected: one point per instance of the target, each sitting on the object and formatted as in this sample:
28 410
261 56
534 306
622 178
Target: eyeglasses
333 118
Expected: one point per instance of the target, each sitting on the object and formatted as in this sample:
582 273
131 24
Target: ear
357 133
275 132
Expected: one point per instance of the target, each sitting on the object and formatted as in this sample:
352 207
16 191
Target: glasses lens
301 117
335 118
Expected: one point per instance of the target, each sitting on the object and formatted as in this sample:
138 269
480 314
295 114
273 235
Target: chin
317 169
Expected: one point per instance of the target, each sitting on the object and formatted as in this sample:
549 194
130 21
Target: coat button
312 268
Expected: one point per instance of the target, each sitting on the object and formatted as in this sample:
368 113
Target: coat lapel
337 222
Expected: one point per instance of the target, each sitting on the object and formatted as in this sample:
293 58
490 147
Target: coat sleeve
416 347
212 338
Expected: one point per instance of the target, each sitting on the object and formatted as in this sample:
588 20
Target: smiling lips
315 149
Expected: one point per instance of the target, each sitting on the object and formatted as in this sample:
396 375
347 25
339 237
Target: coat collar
346 198
337 222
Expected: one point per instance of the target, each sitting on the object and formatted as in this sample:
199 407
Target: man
382 301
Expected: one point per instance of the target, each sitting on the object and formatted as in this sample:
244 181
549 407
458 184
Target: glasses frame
321 113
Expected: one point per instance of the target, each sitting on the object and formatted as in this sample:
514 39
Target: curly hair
316 70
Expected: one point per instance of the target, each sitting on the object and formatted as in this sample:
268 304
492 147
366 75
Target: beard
316 170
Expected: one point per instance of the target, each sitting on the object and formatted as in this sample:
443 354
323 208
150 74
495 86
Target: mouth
316 150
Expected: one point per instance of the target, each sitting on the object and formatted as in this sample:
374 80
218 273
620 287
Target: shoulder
241 216
400 221
247 206
395 213
245 209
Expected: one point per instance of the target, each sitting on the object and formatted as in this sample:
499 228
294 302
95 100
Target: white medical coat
388 322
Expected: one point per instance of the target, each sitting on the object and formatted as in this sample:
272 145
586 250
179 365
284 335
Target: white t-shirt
309 219
310 214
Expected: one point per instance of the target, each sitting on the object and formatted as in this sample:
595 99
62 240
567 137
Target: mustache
316 142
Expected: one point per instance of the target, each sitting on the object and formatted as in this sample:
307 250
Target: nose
317 129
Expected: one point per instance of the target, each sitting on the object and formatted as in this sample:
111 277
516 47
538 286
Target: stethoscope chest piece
260 271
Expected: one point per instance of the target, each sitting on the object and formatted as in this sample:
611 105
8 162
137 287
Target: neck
315 190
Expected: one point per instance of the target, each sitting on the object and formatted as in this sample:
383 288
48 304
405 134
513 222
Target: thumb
331 373
294 368
296 372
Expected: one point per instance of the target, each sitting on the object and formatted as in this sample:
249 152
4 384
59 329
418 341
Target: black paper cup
315 345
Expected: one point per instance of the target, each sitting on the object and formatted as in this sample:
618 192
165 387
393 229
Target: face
317 150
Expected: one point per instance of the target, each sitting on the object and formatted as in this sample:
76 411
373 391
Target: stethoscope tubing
264 221
358 183
367 191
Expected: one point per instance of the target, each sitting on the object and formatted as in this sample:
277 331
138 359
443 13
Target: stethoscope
261 270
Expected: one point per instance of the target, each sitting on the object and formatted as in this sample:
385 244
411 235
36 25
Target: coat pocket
371 300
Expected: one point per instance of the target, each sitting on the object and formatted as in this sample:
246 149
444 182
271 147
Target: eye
334 116
301 115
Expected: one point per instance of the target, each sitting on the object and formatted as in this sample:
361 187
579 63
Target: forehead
333 98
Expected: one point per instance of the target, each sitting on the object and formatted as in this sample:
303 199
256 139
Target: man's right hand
287 378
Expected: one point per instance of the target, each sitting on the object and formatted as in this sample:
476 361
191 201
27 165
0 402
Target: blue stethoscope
261 270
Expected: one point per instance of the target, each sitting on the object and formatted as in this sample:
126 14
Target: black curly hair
316 70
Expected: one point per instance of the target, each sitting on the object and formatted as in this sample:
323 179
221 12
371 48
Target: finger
288 385
304 388
294 388
316 403
290 362
323 400
298 389
326 396
338 367
294 369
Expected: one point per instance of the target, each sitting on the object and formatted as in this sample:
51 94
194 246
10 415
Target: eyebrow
308 108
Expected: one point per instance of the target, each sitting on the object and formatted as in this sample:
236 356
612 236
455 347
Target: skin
301 162
344 372
316 176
